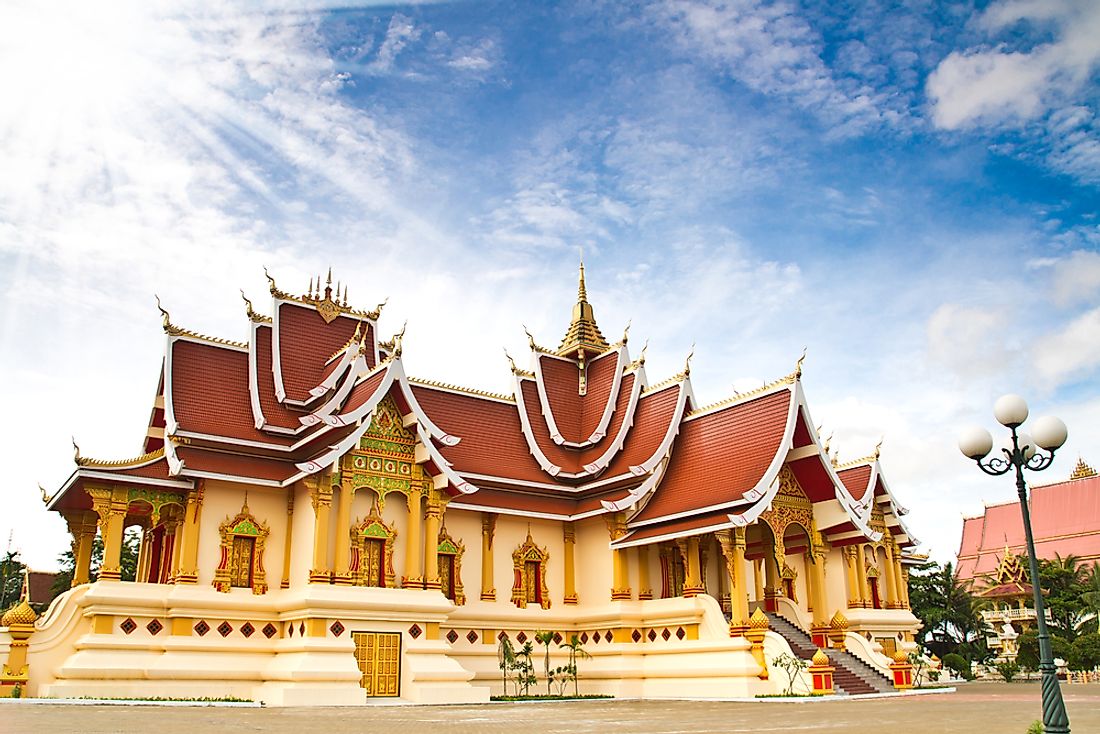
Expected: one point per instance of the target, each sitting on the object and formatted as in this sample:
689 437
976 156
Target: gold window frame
373 527
243 524
448 546
529 551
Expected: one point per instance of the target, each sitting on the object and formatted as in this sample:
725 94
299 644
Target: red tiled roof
306 342
1012 589
567 459
492 440
622 403
37 587
210 392
1065 519
238 465
653 417
600 378
274 412
719 456
856 479
560 380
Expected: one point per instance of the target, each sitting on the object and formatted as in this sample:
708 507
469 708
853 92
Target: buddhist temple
318 527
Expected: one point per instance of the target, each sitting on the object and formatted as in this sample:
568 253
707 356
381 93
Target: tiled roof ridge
314 299
172 330
737 398
148 458
459 388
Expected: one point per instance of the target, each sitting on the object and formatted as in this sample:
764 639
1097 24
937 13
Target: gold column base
645 595
412 582
573 599
690 591
434 584
343 579
191 577
621 595
489 595
738 629
111 574
320 577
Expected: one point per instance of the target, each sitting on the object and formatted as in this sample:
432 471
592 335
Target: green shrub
1008 670
1084 654
1035 728
959 664
17 692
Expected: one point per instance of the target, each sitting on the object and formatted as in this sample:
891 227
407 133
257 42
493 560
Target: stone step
851 676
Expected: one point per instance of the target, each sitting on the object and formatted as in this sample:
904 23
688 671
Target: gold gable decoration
529 565
583 333
384 461
790 506
1011 569
242 553
365 535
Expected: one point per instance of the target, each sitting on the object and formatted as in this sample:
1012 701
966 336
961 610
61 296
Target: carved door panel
240 563
378 655
374 552
447 575
531 582
676 568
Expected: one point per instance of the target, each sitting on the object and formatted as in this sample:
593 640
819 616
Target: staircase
851 677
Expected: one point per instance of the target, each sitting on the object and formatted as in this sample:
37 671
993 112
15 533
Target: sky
906 190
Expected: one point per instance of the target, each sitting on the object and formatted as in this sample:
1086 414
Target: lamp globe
1010 410
1049 432
975 442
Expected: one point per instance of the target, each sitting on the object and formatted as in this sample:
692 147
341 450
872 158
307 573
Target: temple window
242 544
529 564
449 562
372 542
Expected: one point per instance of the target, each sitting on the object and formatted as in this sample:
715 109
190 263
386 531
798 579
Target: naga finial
270 282
878 446
45 495
76 451
396 341
250 312
687 362
511 361
530 339
165 318
798 364
626 331
378 309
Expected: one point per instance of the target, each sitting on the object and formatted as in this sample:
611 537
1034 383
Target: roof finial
45 495
878 446
165 319
328 285
309 293
798 364
511 361
626 331
76 451
345 299
396 341
687 362
582 293
530 339
270 281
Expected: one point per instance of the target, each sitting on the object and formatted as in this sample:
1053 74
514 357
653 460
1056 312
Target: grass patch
788 695
549 698
204 699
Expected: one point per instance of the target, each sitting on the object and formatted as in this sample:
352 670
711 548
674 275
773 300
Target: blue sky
907 190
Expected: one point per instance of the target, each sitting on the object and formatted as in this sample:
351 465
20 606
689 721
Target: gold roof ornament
758 620
839 621
900 656
1082 470
21 613
583 334
820 659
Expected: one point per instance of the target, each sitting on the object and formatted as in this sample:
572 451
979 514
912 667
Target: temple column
285 583
903 585
342 575
693 584
189 547
488 527
891 579
414 578
732 543
434 512
645 588
176 565
82 526
320 490
141 573
850 560
620 588
861 577
758 579
569 537
772 582
819 627
110 505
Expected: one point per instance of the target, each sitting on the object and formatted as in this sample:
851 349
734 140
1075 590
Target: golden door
379 657
532 582
240 563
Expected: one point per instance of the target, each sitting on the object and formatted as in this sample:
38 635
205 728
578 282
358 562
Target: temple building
317 527
1065 519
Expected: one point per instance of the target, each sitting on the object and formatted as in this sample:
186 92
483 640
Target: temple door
788 588
676 573
875 601
378 655
374 554
240 564
531 582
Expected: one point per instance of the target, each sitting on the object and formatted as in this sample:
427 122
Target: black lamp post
1036 453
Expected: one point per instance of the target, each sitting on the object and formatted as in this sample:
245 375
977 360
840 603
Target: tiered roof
1065 519
582 434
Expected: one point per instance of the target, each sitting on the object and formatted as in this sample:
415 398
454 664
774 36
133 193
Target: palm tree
506 658
1091 595
575 651
544 639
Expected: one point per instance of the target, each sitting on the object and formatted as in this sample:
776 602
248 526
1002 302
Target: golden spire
1082 470
583 334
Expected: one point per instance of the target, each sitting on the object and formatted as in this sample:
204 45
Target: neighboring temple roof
1010 580
1065 519
583 434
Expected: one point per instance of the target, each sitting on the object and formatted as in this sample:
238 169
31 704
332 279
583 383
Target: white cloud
1076 278
400 33
1071 352
970 341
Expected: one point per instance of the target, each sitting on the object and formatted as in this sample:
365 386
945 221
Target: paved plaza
988 708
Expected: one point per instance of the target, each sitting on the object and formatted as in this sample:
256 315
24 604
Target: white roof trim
620 438
625 542
525 425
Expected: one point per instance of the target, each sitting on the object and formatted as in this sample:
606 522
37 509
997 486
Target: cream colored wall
593 563
221 501
511 532
301 544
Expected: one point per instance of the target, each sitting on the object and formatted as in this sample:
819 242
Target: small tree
1084 654
792 666
544 638
1008 670
506 659
919 662
524 669
575 652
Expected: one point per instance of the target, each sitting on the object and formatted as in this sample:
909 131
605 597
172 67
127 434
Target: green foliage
576 651
1008 670
950 611
792 666
959 664
544 638
1064 581
1084 654
506 659
1027 655
524 669
131 545
17 692
11 580
1035 728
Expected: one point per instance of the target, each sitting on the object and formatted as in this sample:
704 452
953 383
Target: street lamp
1035 452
